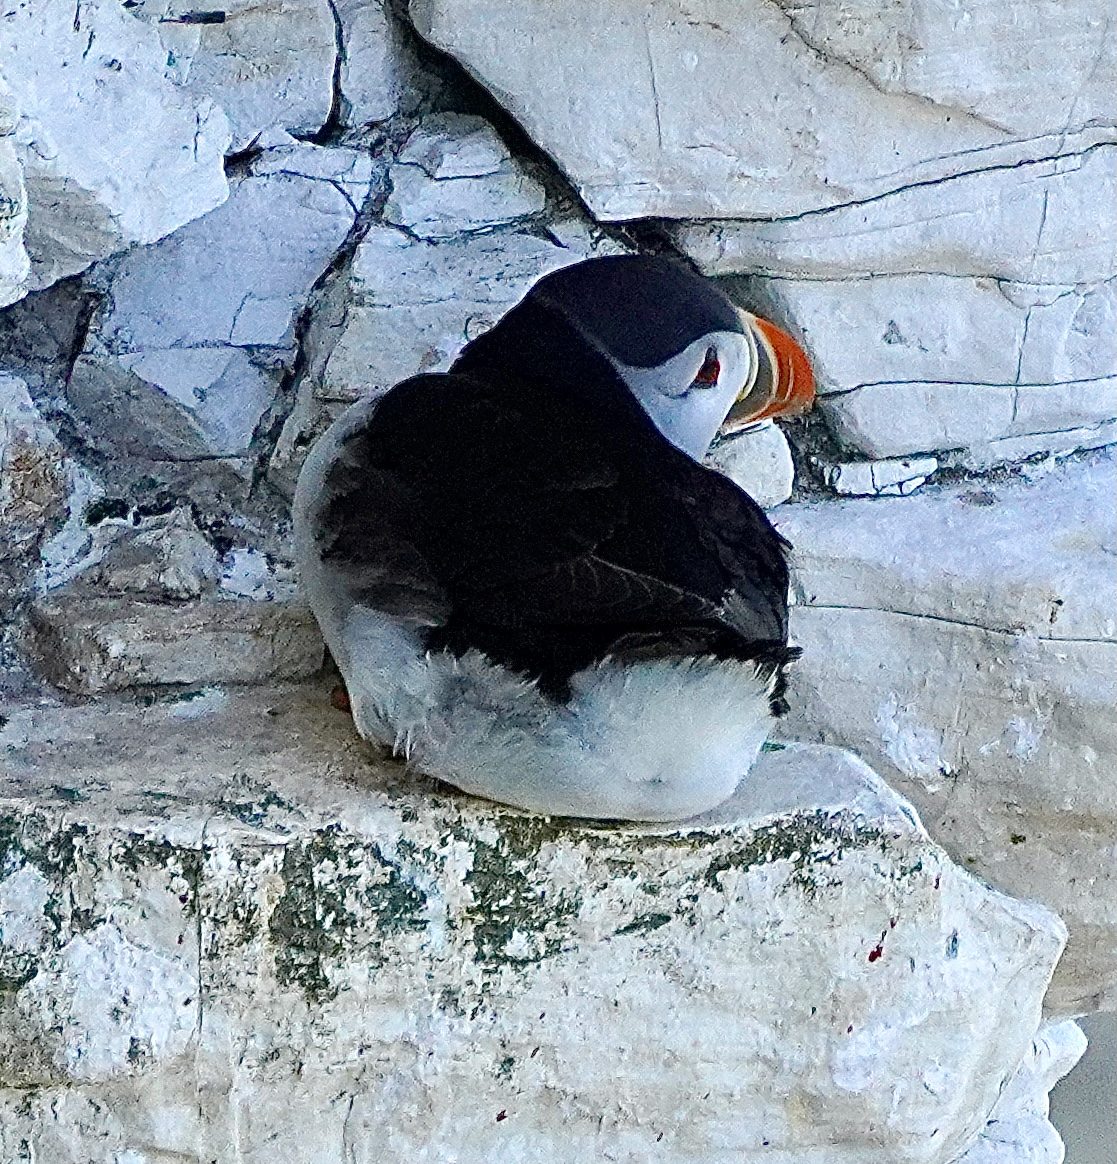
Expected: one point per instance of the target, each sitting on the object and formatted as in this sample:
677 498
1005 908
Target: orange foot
339 697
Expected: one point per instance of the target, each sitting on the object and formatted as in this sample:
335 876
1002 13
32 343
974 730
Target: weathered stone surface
379 74
197 331
405 306
964 641
913 328
759 460
455 176
916 363
161 557
1018 1128
33 486
868 478
1036 223
267 64
15 266
89 644
1007 450
893 420
113 153
320 947
756 110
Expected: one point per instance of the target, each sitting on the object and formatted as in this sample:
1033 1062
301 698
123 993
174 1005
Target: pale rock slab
759 460
964 641
33 486
761 109
894 420
314 946
1018 1130
873 478
1008 450
15 266
1036 223
379 74
455 176
91 92
907 329
199 330
89 644
163 557
408 305
267 64
917 363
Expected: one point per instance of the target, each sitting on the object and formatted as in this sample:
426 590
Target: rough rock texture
15 266
112 151
759 460
761 109
88 644
268 64
455 176
873 478
195 334
913 363
378 74
33 487
964 641
229 931
913 189
1018 1127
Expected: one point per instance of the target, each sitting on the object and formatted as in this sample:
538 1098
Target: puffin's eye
710 370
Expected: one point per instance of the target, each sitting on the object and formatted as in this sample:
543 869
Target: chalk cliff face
267 960
222 223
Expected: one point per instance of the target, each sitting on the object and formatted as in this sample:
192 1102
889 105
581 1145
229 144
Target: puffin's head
694 360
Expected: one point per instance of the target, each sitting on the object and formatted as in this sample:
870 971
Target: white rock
863 478
113 152
444 208
239 275
15 266
323 949
759 460
964 642
757 110
892 420
412 306
455 145
1018 1131
106 1003
267 64
90 644
206 319
1010 449
937 329
1036 222
379 74
162 557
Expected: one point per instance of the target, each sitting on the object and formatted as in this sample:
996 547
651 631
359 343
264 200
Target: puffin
532 587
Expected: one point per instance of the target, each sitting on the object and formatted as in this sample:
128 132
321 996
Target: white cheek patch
689 415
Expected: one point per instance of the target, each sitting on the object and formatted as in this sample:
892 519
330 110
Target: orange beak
784 385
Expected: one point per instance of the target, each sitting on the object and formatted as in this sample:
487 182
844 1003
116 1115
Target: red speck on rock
501 1115
876 952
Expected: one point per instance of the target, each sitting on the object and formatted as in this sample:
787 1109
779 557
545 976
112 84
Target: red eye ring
710 370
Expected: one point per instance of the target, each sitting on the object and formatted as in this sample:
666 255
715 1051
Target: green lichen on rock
334 887
812 844
517 919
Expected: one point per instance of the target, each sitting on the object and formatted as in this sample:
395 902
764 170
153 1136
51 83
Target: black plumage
524 505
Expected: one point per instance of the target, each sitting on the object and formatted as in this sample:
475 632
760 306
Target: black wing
546 539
